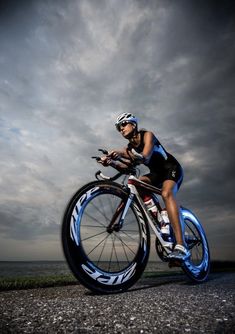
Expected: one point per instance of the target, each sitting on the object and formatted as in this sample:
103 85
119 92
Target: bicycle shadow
152 282
158 281
148 283
212 277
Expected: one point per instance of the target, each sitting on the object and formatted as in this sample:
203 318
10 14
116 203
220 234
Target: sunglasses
123 124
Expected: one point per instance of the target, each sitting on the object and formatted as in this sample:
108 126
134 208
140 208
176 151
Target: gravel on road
167 304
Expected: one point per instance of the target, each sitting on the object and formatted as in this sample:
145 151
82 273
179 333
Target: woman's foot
179 253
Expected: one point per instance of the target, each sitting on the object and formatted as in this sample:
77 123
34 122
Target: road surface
167 304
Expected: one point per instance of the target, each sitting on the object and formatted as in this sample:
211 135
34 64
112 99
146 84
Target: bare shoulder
149 136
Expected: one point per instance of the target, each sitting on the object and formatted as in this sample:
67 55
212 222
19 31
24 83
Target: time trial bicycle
106 233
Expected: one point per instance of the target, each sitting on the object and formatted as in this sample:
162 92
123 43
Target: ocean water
33 268
48 268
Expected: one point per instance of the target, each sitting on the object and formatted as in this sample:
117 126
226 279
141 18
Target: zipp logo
76 211
110 279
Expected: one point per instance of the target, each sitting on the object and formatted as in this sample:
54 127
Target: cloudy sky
68 68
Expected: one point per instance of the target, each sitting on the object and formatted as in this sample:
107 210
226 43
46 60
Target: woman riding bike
165 172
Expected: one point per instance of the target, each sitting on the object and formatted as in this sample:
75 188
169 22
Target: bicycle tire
197 267
97 274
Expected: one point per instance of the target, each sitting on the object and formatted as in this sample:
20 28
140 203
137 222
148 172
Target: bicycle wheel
197 267
104 259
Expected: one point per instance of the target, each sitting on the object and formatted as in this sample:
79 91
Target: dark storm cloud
206 106
13 223
67 70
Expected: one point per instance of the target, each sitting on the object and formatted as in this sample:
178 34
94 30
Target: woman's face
126 129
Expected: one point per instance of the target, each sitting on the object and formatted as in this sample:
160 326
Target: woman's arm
148 145
147 152
114 155
119 153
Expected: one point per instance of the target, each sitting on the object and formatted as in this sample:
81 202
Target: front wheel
197 267
103 257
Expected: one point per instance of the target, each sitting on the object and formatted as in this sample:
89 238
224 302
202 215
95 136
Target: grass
22 282
18 283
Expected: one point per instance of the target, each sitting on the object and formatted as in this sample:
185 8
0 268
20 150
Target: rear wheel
103 257
197 267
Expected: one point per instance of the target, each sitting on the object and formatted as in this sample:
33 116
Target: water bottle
151 206
165 225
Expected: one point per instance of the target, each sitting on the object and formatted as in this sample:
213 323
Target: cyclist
165 171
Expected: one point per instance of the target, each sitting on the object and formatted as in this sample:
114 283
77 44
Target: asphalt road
157 305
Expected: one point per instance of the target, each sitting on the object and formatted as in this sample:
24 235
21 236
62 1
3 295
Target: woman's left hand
114 154
105 161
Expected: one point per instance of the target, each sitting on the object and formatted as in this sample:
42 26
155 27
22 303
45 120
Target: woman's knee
167 194
169 190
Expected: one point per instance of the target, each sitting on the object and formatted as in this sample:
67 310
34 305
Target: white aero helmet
125 117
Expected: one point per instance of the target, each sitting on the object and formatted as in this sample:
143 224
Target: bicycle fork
116 226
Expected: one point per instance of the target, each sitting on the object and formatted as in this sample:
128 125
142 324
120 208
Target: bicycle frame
132 184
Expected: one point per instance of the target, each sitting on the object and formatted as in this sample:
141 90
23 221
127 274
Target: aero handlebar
129 169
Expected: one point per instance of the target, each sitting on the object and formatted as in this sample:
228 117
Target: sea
50 268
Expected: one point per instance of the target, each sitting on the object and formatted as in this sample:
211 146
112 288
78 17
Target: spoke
194 243
198 253
99 206
116 251
125 252
130 221
111 254
95 226
111 203
93 218
125 244
192 235
129 224
98 244
102 251
128 235
102 213
132 231
191 229
93 236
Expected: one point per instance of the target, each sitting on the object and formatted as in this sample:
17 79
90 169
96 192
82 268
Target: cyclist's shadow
160 280
151 282
180 278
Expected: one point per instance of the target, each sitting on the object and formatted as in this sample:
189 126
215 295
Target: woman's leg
145 179
169 191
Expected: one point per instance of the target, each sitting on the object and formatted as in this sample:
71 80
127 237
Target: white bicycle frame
132 182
